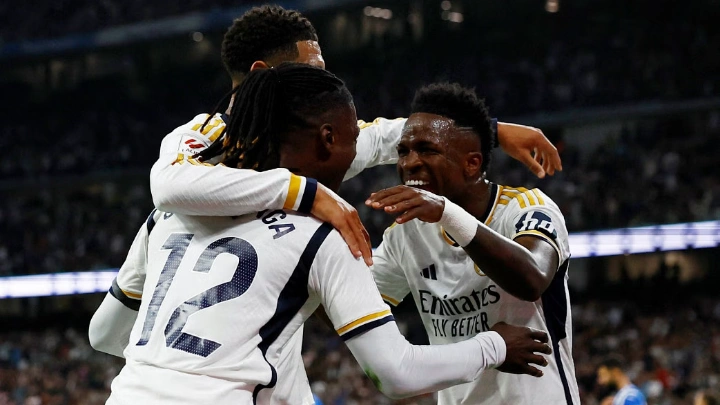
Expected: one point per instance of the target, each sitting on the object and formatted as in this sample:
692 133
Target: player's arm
110 326
378 140
523 266
346 289
182 185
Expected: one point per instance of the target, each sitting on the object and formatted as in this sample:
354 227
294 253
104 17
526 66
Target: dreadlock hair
461 105
269 105
261 33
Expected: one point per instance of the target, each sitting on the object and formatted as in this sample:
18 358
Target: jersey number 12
244 275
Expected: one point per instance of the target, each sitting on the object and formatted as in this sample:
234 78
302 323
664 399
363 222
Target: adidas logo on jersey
429 272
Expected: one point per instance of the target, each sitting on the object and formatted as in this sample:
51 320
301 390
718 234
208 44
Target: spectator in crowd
610 373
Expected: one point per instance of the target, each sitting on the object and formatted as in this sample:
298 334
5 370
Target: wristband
458 223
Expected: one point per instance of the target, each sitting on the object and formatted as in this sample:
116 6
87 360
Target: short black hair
271 104
461 105
261 33
612 362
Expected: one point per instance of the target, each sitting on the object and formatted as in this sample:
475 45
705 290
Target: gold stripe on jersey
515 190
539 197
447 238
361 321
293 191
525 198
541 235
478 271
180 159
362 124
531 198
131 294
215 124
393 301
195 162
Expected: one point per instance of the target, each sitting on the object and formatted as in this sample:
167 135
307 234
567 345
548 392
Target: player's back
221 299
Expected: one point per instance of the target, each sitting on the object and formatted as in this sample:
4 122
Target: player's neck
303 162
476 198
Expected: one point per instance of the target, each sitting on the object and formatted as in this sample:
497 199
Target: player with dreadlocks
232 293
264 37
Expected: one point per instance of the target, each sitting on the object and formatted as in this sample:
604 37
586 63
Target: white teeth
416 183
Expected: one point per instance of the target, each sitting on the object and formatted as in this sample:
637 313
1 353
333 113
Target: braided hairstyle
461 105
261 33
271 104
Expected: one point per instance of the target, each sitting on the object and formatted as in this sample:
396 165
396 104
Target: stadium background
628 91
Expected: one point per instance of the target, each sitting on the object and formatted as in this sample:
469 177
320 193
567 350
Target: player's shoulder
202 125
517 207
522 197
378 121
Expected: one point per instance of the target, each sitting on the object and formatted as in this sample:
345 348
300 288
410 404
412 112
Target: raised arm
182 185
378 139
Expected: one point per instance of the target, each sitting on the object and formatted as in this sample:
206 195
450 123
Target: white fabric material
460 224
193 189
456 300
376 144
110 326
178 185
403 370
158 373
131 276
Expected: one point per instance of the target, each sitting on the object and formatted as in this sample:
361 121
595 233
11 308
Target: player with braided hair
228 295
264 37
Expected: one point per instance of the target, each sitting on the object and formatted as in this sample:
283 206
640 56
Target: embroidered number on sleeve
536 221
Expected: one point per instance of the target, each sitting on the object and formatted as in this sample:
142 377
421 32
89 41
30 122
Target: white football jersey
223 303
228 191
457 300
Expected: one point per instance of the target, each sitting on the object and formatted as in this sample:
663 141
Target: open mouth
416 183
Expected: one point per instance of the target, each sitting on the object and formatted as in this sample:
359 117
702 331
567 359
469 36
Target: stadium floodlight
45 285
612 242
645 239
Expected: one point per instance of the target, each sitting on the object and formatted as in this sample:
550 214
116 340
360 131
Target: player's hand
408 203
330 207
523 344
530 146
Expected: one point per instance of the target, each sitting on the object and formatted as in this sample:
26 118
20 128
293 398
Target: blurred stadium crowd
74 183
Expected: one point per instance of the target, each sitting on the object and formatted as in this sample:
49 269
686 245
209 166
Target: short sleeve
131 277
346 289
535 214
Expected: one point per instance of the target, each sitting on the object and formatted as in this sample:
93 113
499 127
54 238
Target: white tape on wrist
457 222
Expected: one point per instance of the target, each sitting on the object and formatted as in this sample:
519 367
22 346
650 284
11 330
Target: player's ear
473 164
259 64
326 141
